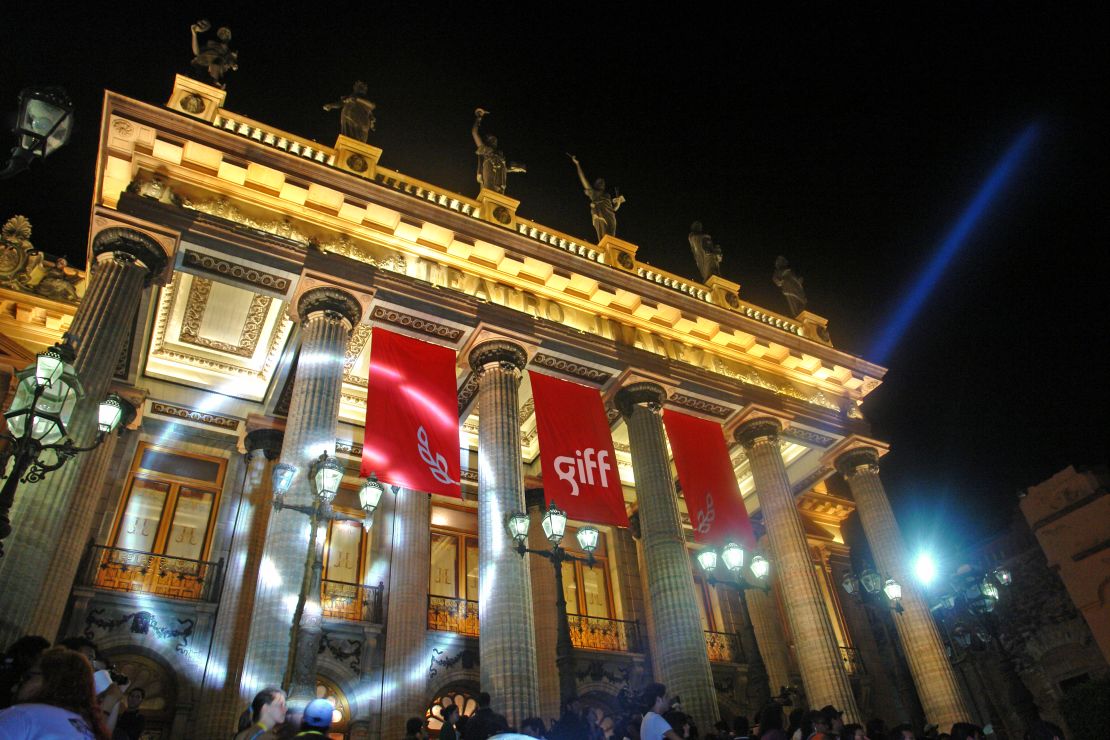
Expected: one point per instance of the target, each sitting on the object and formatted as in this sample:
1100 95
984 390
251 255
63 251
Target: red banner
412 422
576 451
709 485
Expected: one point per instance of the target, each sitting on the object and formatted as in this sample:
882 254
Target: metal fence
453 615
723 647
599 633
117 569
351 601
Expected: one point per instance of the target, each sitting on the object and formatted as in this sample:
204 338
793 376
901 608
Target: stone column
507 645
680 642
327 316
406 624
932 673
543 609
223 697
62 569
769 638
126 263
823 674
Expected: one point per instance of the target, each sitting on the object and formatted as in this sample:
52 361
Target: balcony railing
852 662
116 569
351 601
598 633
723 647
453 615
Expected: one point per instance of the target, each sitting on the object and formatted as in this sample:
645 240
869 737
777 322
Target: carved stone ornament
133 245
333 300
759 428
499 351
18 258
648 394
856 460
267 441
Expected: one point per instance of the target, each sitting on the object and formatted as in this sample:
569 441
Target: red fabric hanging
412 423
576 451
709 484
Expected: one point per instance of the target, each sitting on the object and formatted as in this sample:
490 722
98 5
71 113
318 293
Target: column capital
644 393
756 429
497 350
268 441
122 243
327 299
857 460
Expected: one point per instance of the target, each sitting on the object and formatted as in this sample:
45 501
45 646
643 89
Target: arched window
341 710
464 700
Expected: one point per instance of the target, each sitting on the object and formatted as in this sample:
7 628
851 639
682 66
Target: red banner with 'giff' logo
709 485
576 451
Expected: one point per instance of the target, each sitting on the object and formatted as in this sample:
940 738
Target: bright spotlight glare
925 569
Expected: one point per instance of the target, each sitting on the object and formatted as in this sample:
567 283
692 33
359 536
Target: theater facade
237 276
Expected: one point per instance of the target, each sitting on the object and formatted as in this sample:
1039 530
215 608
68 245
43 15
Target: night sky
848 143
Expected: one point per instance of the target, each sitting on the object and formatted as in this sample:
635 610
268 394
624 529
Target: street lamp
869 584
43 125
325 474
973 595
40 412
554 524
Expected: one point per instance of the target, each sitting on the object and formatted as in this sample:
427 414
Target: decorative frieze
467 391
715 410
573 369
226 423
807 436
385 315
233 272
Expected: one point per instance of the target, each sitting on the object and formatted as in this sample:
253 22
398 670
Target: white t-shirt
42 722
654 727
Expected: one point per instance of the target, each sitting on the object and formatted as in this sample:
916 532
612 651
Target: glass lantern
588 538
892 589
554 524
45 120
370 495
733 555
1003 576
871 581
518 527
327 474
761 567
281 478
850 583
109 414
707 559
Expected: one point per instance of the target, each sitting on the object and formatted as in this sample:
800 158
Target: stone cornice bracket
328 300
640 393
757 429
266 440
135 398
121 243
508 355
857 460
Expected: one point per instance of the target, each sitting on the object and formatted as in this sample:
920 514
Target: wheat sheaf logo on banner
437 463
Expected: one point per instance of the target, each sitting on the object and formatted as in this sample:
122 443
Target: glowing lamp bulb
733 555
518 527
707 559
554 524
588 538
925 569
761 567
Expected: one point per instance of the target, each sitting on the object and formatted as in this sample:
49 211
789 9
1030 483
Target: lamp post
325 476
41 408
973 595
554 526
43 125
733 556
868 585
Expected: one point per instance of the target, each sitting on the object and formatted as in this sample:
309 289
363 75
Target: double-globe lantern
554 527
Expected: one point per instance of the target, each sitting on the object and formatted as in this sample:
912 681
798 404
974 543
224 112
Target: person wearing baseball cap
317 719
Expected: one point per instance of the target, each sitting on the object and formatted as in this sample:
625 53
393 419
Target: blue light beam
955 239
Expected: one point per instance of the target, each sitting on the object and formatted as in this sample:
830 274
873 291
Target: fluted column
223 698
126 262
543 610
823 674
933 675
769 638
327 316
680 641
78 525
406 624
507 644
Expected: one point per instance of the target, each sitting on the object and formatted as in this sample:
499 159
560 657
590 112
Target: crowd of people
70 691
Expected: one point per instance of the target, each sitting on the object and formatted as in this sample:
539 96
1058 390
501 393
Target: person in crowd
316 720
532 727
267 711
722 730
965 731
572 724
484 722
1044 730
55 699
679 722
904 732
796 730
131 722
414 729
816 726
741 730
770 723
450 714
834 718
109 690
653 726
876 728
631 725
852 732
19 656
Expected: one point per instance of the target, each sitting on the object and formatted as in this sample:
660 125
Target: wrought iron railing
117 569
853 664
351 601
723 647
599 633
453 615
